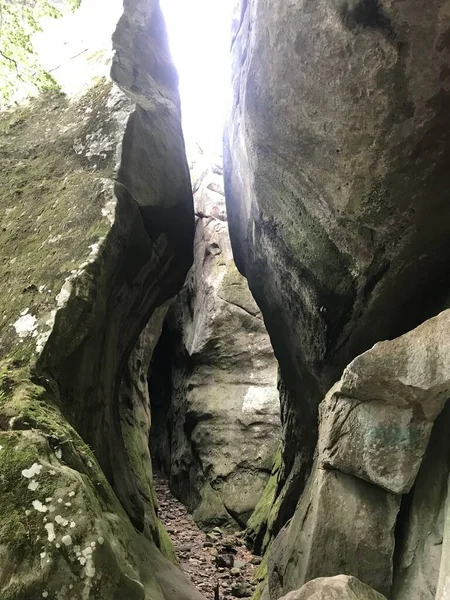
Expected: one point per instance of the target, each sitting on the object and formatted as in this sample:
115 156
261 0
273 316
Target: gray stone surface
224 421
135 423
340 587
342 524
376 422
97 233
336 173
422 520
375 425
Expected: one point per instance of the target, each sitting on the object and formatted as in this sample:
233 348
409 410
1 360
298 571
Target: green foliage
20 70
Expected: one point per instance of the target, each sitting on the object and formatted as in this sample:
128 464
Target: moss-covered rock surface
96 233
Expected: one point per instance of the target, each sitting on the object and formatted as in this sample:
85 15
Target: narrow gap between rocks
215 410
218 563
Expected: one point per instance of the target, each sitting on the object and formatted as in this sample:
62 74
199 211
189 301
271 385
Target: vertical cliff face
375 427
216 423
97 235
336 177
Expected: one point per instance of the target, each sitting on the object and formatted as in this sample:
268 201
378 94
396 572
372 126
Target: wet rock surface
216 562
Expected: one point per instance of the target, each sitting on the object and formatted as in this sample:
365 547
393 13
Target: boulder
422 521
376 422
375 431
224 417
340 587
336 161
342 524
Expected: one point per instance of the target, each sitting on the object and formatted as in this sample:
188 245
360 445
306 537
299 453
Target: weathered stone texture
375 425
97 234
340 587
377 421
341 525
224 421
336 174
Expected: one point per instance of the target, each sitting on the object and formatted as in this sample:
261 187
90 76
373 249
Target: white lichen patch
54 239
95 144
66 540
61 520
50 531
109 210
42 337
64 295
33 471
33 485
37 505
94 249
25 325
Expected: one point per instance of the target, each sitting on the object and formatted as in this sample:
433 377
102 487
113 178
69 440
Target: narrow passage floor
208 559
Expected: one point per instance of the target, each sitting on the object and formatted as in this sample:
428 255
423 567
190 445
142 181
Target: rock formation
336 163
336 177
223 422
375 425
97 233
340 587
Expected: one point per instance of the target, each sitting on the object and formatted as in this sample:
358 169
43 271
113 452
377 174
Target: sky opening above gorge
200 38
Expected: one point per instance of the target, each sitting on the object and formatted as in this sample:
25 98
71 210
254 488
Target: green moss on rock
259 526
53 194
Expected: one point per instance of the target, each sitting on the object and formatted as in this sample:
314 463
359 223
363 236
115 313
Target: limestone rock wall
218 439
375 430
97 233
336 175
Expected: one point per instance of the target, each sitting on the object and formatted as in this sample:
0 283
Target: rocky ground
217 563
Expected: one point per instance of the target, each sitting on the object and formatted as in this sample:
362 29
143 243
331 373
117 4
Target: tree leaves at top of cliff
20 69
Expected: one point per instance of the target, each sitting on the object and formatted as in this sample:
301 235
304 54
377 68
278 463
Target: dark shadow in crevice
369 14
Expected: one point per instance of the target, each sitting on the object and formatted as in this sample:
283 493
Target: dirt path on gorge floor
208 559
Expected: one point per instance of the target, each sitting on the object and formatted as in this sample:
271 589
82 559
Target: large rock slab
422 521
340 587
342 524
383 420
376 422
97 232
222 415
336 174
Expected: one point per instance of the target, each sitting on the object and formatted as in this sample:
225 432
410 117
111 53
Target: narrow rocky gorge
213 379
271 332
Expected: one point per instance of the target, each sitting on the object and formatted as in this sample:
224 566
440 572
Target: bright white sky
200 38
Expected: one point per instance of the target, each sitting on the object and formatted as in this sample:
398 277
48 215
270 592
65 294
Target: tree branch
14 62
